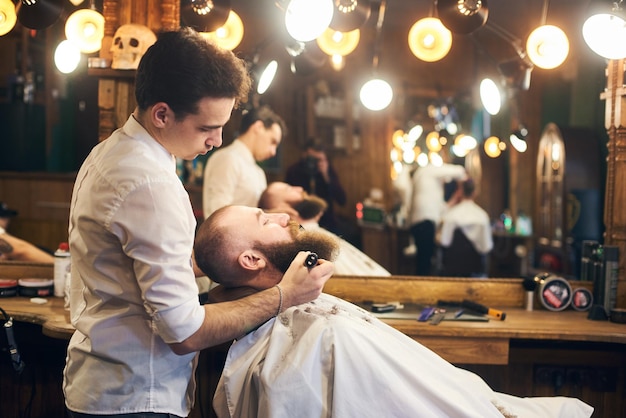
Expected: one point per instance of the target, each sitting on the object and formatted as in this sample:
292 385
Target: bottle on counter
61 268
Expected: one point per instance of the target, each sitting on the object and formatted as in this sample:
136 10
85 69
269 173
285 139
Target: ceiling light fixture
547 46
204 15
376 94
463 16
334 42
305 20
490 96
349 15
8 17
516 71
66 56
85 28
493 147
228 36
518 139
38 14
605 31
267 76
429 39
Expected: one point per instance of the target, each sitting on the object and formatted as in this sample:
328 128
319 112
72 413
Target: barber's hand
300 284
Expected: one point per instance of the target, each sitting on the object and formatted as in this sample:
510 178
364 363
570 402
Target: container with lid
35 287
8 288
582 299
555 293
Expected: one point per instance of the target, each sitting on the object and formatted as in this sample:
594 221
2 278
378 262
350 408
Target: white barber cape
330 358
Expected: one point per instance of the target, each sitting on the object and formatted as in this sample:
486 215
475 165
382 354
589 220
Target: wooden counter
519 355
52 317
456 341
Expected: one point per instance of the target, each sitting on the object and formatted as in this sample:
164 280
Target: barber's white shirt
351 260
472 220
232 177
133 289
329 358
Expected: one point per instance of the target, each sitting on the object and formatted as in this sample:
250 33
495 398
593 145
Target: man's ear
251 260
258 126
159 114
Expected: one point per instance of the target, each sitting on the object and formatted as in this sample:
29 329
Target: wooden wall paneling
43 206
170 17
50 199
615 195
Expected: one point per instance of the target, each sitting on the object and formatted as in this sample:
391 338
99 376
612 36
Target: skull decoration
130 42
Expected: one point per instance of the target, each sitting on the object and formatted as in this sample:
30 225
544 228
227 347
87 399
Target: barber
134 299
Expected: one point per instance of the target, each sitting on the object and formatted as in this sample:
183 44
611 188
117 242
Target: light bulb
490 96
305 20
376 94
66 57
605 34
547 46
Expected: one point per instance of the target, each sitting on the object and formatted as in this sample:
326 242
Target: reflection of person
133 297
14 248
314 173
307 209
427 206
329 358
232 175
473 222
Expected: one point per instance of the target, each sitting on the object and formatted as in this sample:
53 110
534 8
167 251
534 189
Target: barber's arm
228 320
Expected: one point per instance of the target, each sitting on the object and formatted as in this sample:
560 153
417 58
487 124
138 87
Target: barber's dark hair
265 115
182 67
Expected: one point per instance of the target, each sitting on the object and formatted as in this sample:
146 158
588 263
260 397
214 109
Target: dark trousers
424 236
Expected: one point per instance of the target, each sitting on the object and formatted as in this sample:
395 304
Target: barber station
452 171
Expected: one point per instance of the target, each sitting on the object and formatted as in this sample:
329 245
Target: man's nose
216 140
281 218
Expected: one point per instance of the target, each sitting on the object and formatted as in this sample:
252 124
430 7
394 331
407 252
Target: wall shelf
111 73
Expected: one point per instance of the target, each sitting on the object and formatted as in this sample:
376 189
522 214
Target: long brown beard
282 254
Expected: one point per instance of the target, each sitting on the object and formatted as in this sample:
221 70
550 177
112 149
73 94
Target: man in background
307 209
232 175
314 173
427 206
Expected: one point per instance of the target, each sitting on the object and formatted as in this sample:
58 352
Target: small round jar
35 287
555 293
582 299
8 288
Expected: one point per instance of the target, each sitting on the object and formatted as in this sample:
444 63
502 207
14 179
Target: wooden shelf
111 73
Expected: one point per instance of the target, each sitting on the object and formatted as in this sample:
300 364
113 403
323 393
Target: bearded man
330 358
307 209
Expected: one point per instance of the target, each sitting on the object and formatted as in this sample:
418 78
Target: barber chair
461 259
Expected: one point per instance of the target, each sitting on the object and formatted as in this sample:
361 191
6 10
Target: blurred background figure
465 237
232 175
307 209
315 174
17 249
427 206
